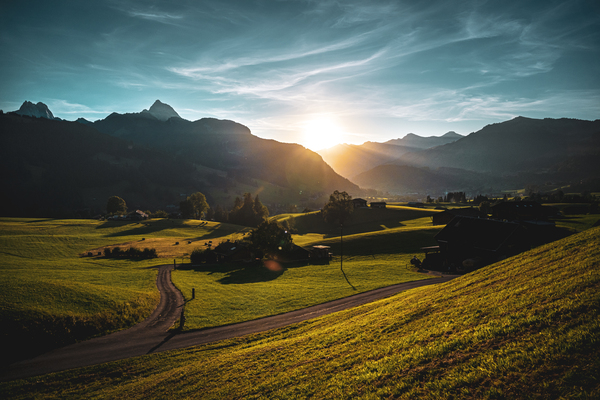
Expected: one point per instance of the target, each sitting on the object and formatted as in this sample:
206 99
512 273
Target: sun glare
321 133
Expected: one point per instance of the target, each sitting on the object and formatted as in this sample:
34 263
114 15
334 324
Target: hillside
230 147
521 144
350 160
420 142
60 168
526 327
69 169
402 179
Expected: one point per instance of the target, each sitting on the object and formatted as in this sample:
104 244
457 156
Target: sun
321 133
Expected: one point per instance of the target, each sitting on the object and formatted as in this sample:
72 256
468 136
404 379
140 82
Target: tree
248 212
270 237
186 207
193 206
116 205
339 208
485 207
199 203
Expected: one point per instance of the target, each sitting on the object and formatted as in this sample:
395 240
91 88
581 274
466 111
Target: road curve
152 336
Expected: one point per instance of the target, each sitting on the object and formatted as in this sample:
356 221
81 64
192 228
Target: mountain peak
452 134
39 110
162 111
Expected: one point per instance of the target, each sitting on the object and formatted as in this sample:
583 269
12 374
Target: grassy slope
232 293
377 257
526 327
51 296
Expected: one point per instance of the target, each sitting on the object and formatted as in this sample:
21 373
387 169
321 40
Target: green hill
526 327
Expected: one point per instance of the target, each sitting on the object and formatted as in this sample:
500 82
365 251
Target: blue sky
359 70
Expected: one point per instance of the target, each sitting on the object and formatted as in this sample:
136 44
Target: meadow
55 294
526 327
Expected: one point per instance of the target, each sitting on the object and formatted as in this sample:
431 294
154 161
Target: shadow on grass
240 273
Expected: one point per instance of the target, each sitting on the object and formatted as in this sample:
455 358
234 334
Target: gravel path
152 336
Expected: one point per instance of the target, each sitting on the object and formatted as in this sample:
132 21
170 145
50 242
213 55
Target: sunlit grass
526 327
228 293
52 296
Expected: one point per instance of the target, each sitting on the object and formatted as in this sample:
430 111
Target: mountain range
154 158
151 159
509 154
351 160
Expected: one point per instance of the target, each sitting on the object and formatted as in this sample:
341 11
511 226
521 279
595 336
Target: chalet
415 204
320 254
378 204
233 252
137 215
359 203
468 243
521 211
444 217
297 253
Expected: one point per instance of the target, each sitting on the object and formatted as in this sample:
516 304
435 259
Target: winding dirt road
152 336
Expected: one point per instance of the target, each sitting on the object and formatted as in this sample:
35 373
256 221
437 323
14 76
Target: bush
200 256
132 252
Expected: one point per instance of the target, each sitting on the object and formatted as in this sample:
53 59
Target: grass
51 296
526 327
233 293
577 223
362 220
54 294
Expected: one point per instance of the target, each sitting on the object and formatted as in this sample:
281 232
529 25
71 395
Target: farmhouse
233 252
468 243
137 215
378 204
320 254
446 216
359 203
521 211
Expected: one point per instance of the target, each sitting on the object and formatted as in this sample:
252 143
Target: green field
52 296
526 327
236 292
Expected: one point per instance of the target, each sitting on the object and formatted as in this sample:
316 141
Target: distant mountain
162 111
84 121
150 162
402 180
39 110
521 144
350 160
510 154
228 146
68 169
420 142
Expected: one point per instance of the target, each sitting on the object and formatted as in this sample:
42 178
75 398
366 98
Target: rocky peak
162 111
39 110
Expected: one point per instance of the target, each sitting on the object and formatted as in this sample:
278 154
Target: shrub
107 252
199 256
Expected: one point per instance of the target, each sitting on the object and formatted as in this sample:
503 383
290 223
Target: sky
314 72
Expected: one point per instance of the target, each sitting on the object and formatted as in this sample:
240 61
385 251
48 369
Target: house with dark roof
359 203
233 252
521 211
467 243
378 204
